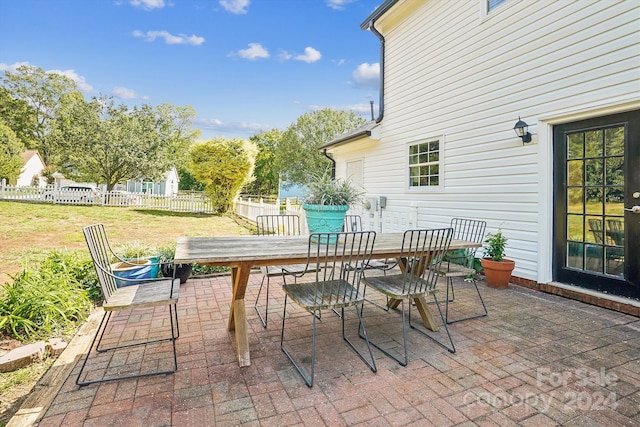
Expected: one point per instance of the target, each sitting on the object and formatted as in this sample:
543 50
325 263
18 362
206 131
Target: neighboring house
167 187
455 79
31 173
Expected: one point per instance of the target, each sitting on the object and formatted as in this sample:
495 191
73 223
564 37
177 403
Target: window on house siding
492 4
424 164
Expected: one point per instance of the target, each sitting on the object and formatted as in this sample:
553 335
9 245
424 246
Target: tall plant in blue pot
327 202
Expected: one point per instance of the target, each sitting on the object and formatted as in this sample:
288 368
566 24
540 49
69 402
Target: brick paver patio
536 360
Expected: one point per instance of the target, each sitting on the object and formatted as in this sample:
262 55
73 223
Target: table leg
425 313
421 303
393 303
237 313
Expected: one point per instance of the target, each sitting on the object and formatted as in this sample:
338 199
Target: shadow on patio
536 360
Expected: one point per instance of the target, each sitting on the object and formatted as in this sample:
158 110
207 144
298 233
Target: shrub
49 300
223 166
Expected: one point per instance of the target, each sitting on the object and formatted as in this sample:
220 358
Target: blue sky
244 65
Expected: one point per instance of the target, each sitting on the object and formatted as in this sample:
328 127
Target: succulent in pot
327 202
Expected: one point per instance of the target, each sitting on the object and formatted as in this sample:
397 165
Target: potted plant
327 202
137 261
497 269
183 271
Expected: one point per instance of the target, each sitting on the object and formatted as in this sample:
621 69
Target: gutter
333 165
369 24
373 29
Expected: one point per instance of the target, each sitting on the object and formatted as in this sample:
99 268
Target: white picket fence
380 220
195 202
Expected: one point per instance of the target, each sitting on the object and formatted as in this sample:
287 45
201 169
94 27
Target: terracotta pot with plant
497 269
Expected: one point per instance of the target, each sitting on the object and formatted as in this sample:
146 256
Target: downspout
373 29
333 163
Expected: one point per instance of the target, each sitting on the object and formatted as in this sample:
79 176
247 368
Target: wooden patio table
241 253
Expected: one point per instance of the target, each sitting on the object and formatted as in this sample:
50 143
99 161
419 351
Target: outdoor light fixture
521 129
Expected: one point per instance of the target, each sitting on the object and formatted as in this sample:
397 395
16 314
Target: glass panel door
596 168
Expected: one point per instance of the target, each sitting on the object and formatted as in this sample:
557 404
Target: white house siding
453 74
31 170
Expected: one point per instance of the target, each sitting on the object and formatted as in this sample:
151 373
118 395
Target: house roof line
358 133
377 13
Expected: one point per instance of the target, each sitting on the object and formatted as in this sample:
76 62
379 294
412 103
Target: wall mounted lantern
521 129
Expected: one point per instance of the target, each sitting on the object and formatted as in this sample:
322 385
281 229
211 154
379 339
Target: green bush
50 299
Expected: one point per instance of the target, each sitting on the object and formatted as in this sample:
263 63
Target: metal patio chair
275 225
126 294
460 263
334 284
419 261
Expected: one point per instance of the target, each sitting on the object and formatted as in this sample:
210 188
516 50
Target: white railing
380 220
183 203
250 209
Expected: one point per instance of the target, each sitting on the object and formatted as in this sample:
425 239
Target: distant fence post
4 182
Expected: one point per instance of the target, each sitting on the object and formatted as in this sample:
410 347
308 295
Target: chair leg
385 307
308 378
175 332
256 306
404 341
372 364
474 316
451 349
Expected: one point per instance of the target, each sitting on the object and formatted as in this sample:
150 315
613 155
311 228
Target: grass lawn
32 227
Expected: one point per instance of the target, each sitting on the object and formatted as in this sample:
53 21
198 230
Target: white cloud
338 62
362 109
13 67
239 7
338 4
124 93
254 51
216 126
367 76
80 80
310 55
284 55
147 4
169 38
70 74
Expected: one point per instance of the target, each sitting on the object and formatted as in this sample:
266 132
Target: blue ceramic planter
139 269
325 218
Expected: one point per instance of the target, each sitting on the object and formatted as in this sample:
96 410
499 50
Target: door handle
634 209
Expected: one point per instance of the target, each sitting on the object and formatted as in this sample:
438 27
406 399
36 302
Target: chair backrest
595 226
339 266
101 254
422 253
615 230
278 225
352 223
471 230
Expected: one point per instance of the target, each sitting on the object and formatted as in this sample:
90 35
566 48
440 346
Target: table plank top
272 250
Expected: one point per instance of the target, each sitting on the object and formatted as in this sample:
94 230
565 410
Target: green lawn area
28 228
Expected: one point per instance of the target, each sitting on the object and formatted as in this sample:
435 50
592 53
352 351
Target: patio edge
46 389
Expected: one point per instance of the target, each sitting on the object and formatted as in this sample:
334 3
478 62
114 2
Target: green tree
298 154
11 150
187 181
19 116
108 143
266 176
45 93
223 166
